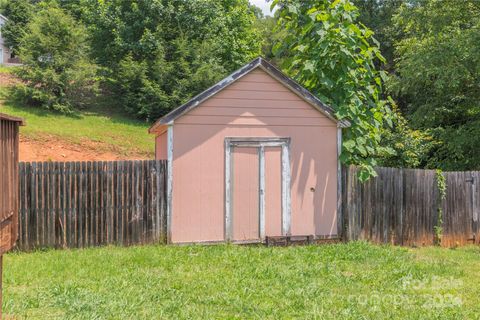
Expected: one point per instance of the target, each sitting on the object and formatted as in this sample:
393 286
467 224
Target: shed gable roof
269 69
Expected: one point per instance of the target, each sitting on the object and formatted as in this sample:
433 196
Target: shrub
56 73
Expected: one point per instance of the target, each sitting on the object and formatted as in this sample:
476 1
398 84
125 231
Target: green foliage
333 56
377 15
153 55
3 5
151 88
442 189
270 36
411 147
441 184
56 73
436 77
19 13
157 54
141 96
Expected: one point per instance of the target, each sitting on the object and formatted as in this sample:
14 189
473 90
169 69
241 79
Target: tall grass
342 281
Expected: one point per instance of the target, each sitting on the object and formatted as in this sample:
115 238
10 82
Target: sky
263 5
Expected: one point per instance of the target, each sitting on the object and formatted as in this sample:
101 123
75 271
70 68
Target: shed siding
161 147
256 105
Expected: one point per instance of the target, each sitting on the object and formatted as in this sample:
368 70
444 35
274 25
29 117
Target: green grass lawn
112 129
342 281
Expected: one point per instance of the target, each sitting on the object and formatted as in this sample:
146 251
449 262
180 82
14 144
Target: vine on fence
442 188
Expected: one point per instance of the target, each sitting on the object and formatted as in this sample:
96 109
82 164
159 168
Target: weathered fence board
9 191
9 139
81 204
461 208
401 206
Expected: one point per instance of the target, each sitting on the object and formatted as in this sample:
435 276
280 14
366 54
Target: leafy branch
333 56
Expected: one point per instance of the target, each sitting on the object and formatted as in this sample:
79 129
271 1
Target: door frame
260 143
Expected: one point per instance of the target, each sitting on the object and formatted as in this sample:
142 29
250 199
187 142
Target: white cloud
264 5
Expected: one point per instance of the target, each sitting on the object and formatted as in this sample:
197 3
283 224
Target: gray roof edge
267 67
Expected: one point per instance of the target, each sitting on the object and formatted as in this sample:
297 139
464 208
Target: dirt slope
54 149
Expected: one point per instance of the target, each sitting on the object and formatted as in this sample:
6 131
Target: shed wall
256 105
161 147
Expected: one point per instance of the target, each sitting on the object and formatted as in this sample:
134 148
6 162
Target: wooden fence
80 204
403 206
8 183
9 140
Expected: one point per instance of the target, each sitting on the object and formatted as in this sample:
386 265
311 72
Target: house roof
268 68
7 117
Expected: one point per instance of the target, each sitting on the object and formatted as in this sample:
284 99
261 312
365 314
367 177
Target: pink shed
256 155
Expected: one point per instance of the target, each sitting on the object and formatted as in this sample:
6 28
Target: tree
179 47
56 73
437 76
377 15
333 56
19 13
3 5
411 147
270 36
